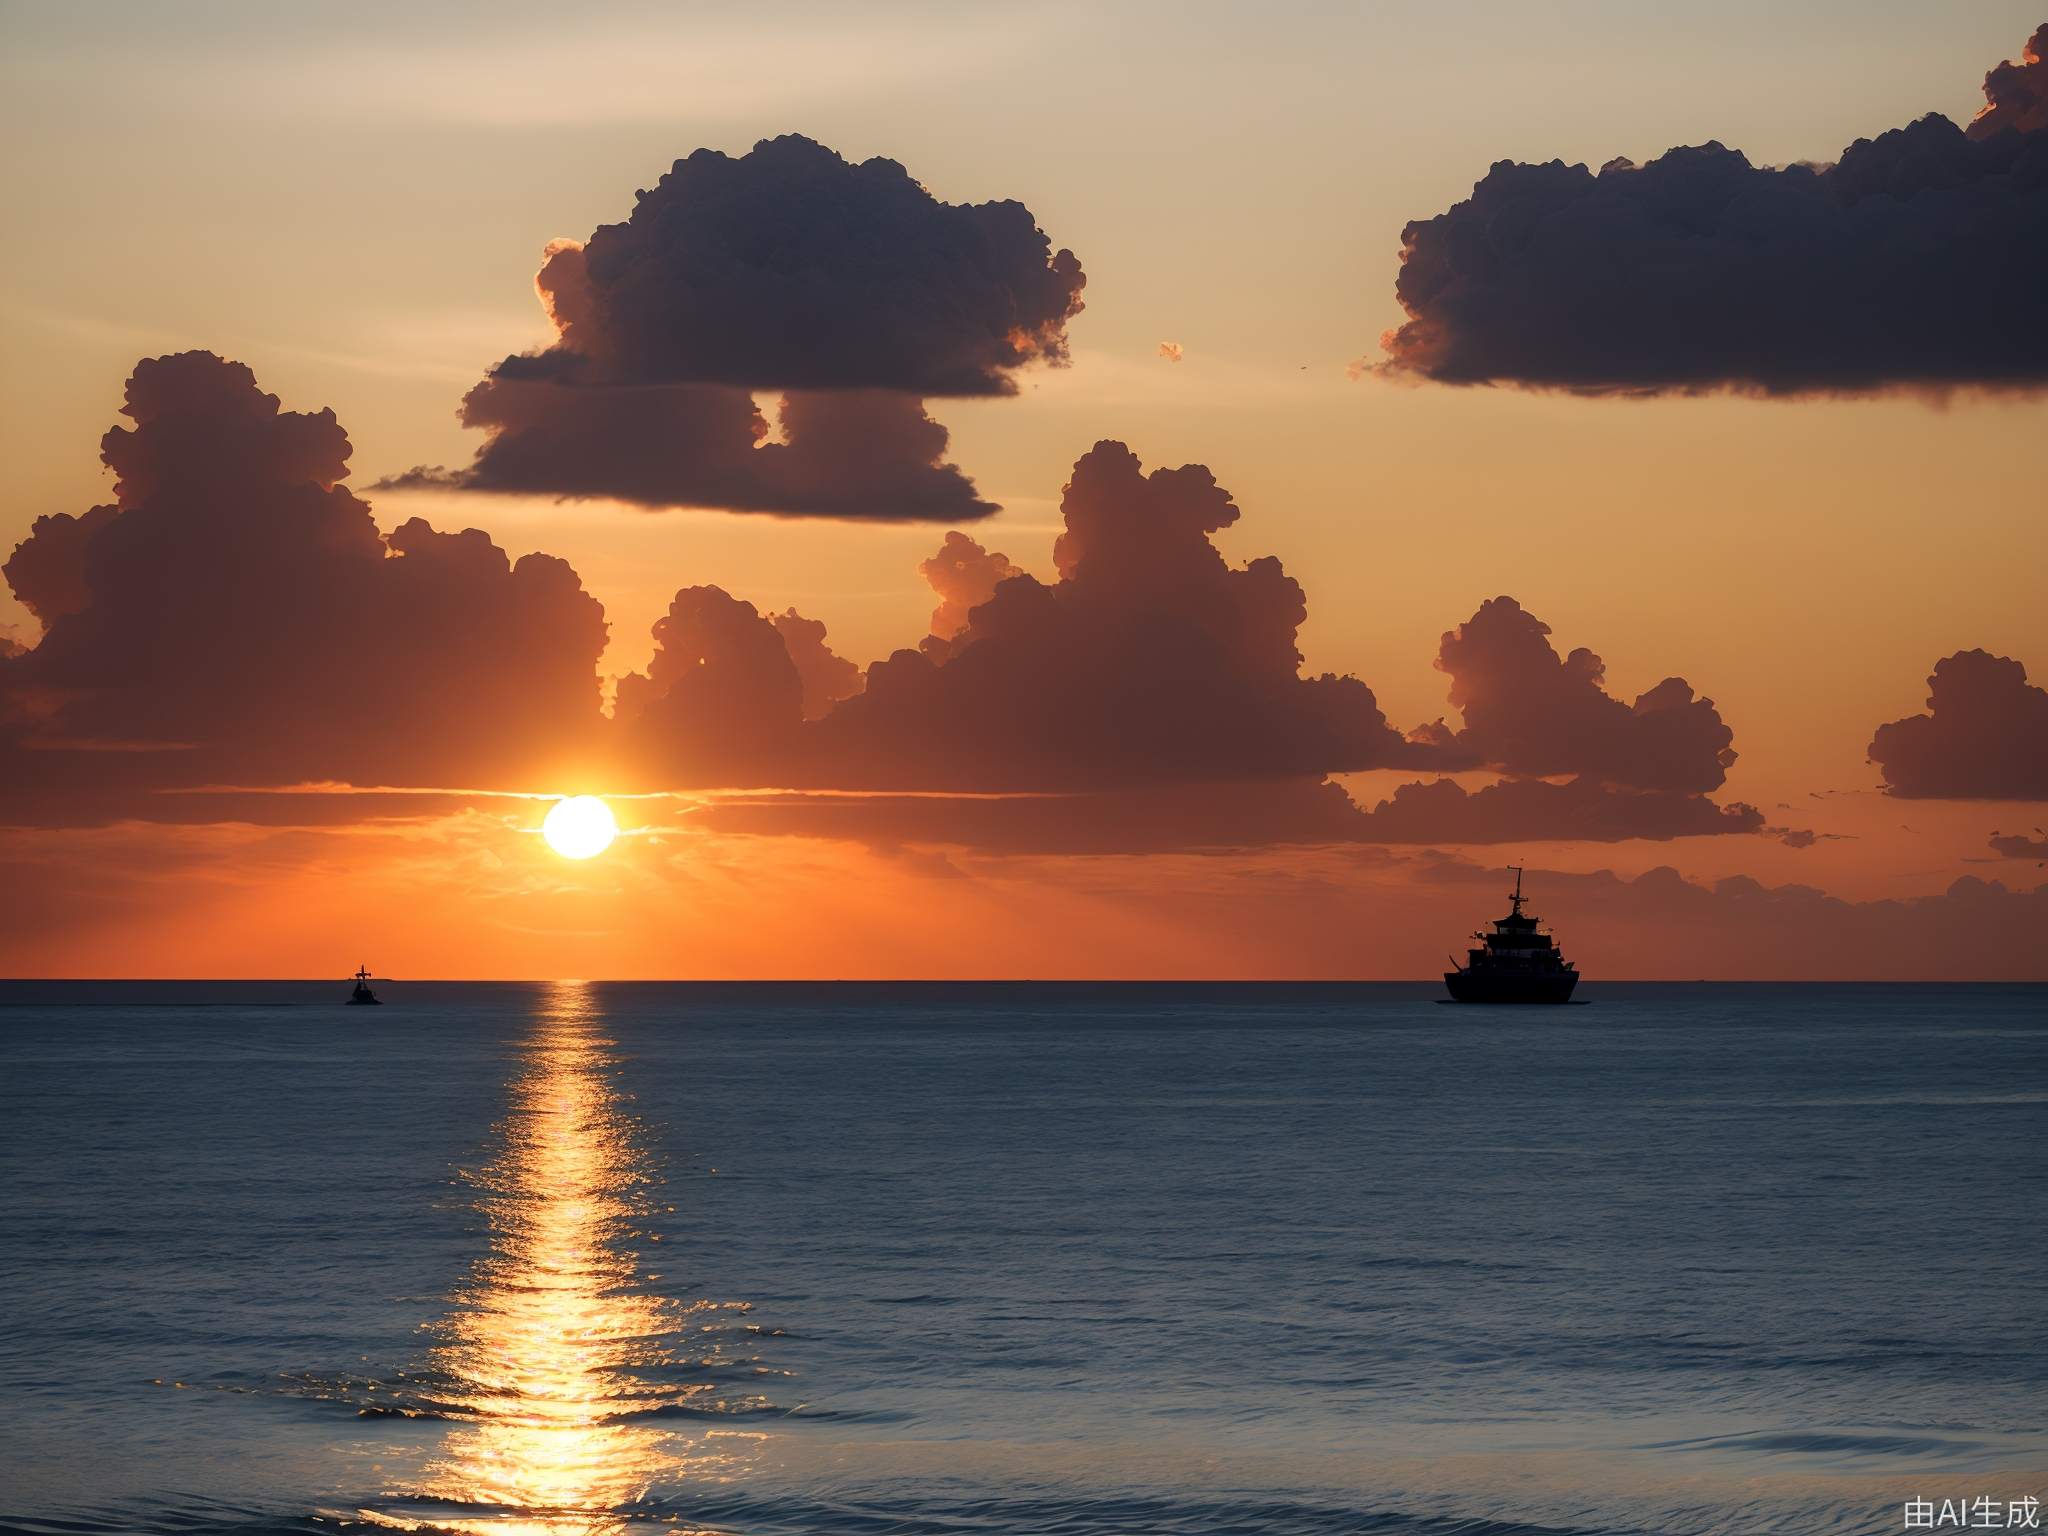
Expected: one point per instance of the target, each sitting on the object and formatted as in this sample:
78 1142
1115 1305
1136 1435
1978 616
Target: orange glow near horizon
476 894
483 808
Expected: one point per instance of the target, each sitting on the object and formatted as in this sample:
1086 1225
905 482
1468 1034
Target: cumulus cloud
1150 660
1984 735
788 268
2016 92
1529 711
848 288
1150 696
1640 769
827 677
721 702
234 616
964 575
47 569
1913 262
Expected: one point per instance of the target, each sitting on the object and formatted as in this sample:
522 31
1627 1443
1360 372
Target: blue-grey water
1049 1259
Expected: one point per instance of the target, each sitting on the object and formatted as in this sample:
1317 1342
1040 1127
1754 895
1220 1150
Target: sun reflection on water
556 1349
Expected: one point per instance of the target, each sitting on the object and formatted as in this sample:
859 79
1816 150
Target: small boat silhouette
362 993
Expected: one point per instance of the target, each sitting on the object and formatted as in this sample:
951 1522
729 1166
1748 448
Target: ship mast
1517 897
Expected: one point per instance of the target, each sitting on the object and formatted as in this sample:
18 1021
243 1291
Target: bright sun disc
580 827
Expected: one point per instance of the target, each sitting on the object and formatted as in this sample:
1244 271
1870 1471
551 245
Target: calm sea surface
1063 1260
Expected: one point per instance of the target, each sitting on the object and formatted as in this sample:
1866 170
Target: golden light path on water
556 1350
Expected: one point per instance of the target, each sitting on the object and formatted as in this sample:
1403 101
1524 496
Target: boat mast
1517 897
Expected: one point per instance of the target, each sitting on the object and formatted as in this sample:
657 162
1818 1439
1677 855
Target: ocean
936 1260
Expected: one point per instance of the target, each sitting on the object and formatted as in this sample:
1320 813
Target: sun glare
580 827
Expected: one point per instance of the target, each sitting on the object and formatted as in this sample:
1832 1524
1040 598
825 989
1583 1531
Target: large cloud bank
1150 660
1152 696
234 616
1913 262
848 288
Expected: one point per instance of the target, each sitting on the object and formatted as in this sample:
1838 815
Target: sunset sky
1793 459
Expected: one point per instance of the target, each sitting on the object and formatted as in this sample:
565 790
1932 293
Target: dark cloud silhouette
1799 837
1151 696
2017 845
1529 711
1984 736
1151 660
1248 813
863 454
788 268
827 677
849 288
1914 262
1164 818
47 569
721 703
1535 810
1638 770
235 617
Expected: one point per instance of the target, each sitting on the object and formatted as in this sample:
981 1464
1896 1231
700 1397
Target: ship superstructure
1516 963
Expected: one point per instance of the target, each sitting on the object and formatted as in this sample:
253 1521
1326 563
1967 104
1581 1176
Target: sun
579 827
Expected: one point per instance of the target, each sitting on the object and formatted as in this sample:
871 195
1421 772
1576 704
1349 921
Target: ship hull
1467 987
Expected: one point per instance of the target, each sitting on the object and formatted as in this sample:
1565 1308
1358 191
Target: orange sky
355 206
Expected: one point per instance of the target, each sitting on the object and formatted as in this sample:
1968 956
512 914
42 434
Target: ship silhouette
362 993
1516 963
